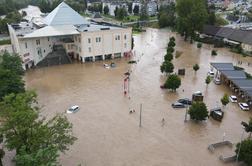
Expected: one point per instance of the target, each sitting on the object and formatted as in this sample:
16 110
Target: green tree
208 80
106 10
168 56
245 154
167 67
166 15
196 67
136 10
170 49
144 13
13 63
224 100
198 111
171 43
191 16
129 4
173 82
43 156
10 83
11 73
30 134
121 13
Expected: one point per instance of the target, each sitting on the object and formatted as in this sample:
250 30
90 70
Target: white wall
108 44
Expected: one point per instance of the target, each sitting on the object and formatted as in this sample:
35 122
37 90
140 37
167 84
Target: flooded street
109 136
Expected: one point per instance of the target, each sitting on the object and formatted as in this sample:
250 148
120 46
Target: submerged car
217 81
73 109
178 105
217 114
244 106
185 101
233 99
210 73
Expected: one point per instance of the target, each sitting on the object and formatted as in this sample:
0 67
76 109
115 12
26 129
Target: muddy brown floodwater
109 136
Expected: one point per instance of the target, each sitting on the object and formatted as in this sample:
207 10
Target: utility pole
140 122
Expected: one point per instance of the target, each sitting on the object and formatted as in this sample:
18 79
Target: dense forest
10 9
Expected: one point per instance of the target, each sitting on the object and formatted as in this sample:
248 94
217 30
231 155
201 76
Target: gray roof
243 84
224 32
234 74
223 66
64 15
95 27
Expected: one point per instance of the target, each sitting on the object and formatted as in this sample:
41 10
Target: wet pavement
109 136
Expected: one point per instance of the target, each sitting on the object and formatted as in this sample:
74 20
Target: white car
73 109
244 106
233 99
197 93
210 73
217 81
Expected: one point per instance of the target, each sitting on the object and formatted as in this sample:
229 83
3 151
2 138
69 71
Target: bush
199 45
214 53
4 42
245 154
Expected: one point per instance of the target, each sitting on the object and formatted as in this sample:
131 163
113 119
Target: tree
31 135
171 43
129 7
245 154
12 63
198 111
144 13
116 11
170 49
166 15
224 100
196 67
10 83
106 10
191 16
136 10
168 56
11 73
208 80
167 67
121 13
173 82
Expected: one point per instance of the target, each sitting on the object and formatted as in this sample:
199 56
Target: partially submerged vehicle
73 109
217 113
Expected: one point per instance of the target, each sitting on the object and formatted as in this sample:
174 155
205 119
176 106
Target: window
125 37
98 40
25 45
48 39
75 38
117 37
89 40
38 42
69 46
79 49
125 45
89 49
79 39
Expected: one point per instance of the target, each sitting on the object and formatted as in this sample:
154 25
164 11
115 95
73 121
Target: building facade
64 28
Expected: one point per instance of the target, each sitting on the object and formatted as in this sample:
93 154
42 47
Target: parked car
178 105
73 109
217 81
217 113
185 101
198 93
210 73
244 106
233 99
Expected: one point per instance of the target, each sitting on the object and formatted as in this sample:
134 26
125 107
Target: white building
112 5
66 29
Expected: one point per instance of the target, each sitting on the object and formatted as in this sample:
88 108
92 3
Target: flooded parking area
109 136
